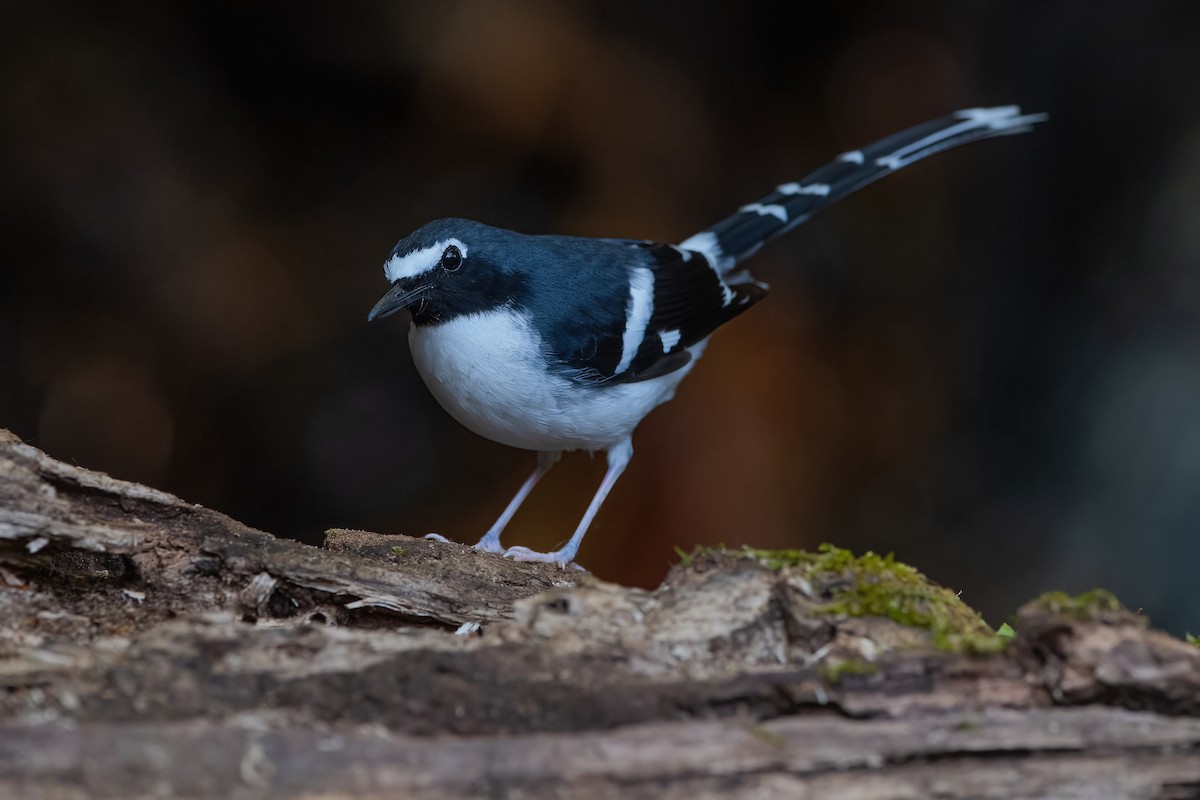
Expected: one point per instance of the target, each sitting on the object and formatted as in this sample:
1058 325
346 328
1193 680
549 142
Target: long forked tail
739 236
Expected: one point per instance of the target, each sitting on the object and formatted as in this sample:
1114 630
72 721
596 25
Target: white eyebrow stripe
637 315
418 262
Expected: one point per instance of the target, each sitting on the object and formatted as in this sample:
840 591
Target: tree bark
151 647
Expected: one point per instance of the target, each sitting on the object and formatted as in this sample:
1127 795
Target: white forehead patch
418 262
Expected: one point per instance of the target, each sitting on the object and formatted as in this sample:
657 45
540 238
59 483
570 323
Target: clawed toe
491 544
563 559
524 554
488 544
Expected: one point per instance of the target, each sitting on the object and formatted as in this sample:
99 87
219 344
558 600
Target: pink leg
618 458
490 543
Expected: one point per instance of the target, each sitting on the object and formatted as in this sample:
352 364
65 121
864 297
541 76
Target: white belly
484 369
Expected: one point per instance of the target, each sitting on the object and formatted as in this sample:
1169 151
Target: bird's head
445 269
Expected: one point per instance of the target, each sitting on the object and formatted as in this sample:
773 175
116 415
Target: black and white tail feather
686 291
741 235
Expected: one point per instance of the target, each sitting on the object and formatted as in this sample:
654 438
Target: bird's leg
618 458
490 543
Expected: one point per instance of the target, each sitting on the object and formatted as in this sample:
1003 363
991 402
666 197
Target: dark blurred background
987 363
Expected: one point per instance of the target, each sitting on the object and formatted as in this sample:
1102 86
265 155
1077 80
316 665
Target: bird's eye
451 258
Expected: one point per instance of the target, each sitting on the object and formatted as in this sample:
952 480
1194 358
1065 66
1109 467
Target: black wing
619 311
687 302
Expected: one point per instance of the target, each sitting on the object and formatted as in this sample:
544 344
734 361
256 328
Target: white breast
487 371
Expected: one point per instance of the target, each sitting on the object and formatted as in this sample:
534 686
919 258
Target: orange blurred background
987 363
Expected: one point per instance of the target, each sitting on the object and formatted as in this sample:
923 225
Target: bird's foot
560 557
437 537
486 545
490 543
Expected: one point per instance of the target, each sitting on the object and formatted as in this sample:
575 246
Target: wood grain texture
150 647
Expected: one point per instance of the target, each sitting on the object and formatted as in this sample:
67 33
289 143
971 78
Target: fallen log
151 647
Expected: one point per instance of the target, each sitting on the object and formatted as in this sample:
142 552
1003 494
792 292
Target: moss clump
778 559
1193 640
875 585
1085 607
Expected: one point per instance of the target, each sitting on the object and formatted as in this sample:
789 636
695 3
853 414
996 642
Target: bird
559 343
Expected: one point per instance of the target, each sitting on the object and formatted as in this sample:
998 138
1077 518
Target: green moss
400 551
1192 639
875 585
833 670
778 559
1086 606
686 558
699 551
1006 631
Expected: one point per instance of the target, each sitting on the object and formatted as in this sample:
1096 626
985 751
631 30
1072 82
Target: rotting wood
152 647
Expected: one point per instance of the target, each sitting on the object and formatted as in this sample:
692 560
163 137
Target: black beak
398 297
